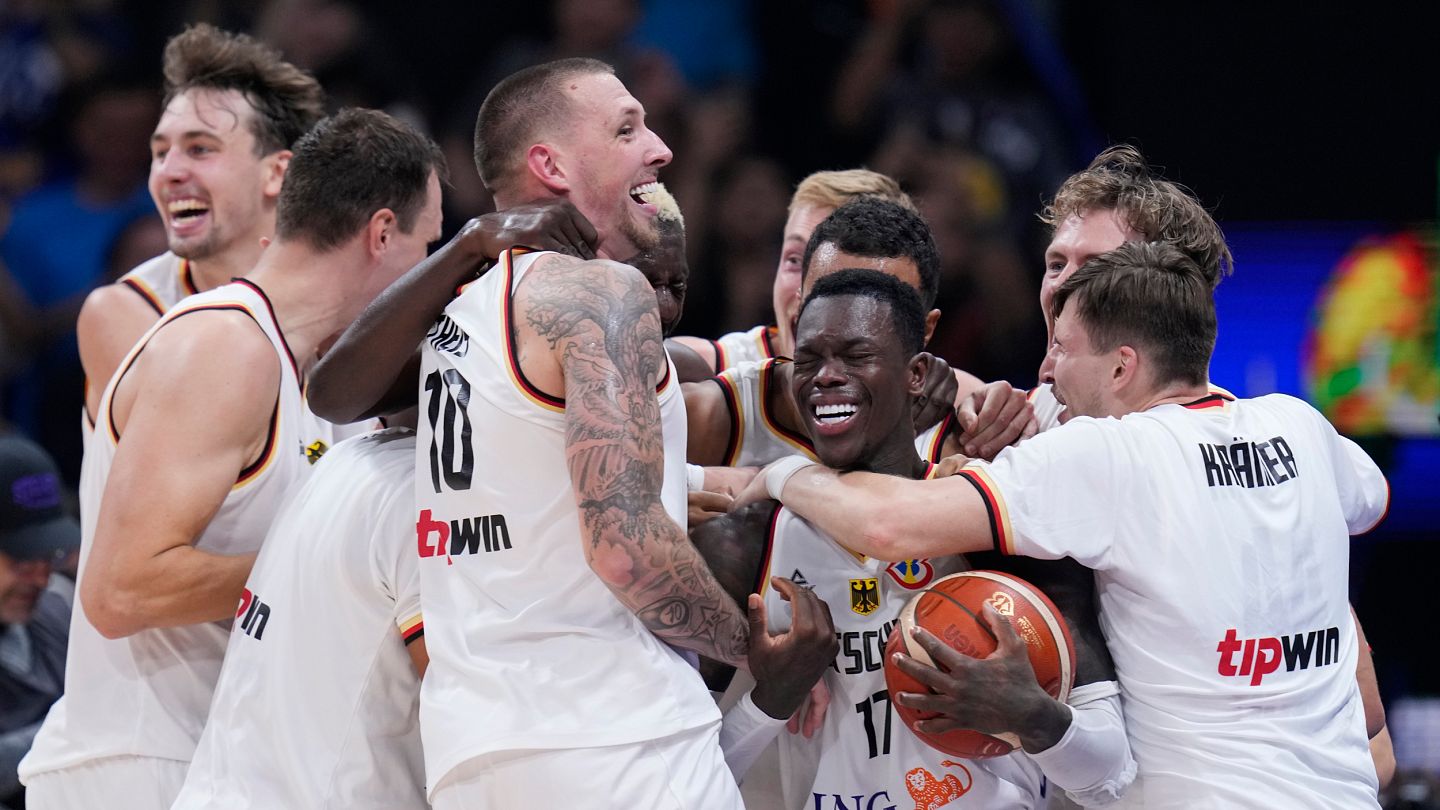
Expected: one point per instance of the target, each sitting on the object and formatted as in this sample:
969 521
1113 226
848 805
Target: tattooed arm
600 324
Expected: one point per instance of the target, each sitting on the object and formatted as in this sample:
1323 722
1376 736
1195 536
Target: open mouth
643 195
834 415
186 215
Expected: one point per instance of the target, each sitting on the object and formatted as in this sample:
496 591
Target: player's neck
896 457
1173 394
308 290
235 262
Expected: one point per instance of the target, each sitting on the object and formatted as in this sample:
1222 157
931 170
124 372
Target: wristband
694 477
779 473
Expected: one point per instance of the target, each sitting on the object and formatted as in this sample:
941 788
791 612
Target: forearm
352 380
1092 761
663 579
179 586
888 517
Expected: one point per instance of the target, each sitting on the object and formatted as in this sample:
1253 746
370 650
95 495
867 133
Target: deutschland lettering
436 538
447 336
1248 464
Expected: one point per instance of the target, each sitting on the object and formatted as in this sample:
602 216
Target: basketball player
233 111
317 702
1116 199
857 369
200 435
1218 529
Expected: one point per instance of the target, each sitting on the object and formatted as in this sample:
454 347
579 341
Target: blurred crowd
750 96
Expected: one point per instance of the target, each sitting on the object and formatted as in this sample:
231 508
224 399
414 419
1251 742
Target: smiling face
1082 375
854 382
668 272
1077 240
610 158
212 190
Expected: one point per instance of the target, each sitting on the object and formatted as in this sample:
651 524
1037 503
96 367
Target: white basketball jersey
528 648
757 437
162 281
750 346
864 755
318 702
1219 532
148 694
1048 409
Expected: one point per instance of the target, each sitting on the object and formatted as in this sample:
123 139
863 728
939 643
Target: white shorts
685 771
137 783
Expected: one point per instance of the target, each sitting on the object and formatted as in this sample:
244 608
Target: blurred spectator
55 248
949 68
737 262
34 612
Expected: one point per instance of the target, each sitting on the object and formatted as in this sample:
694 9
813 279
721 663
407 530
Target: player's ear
542 161
931 318
916 373
1126 369
380 231
276 164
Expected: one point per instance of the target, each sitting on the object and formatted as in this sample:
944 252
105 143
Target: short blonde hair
832 189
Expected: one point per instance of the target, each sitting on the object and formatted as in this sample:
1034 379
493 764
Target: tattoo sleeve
602 325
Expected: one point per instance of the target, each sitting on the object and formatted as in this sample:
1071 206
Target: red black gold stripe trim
276 321
732 404
267 453
767 381
412 628
935 451
720 360
994 508
1384 514
507 315
144 292
762 576
767 348
1215 400
187 278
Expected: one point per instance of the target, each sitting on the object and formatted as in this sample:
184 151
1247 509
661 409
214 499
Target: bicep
702 349
419 655
190 427
112 320
733 546
708 416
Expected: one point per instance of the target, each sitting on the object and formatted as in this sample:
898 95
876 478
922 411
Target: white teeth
641 191
833 414
180 206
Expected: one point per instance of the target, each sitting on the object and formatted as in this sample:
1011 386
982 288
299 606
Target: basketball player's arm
689 365
993 417
419 655
373 368
708 417
882 516
189 425
111 321
703 350
1382 751
601 324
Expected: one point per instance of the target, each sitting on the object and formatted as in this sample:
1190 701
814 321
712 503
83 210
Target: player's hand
994 694
994 417
546 225
811 715
950 465
938 397
729 480
788 665
754 492
705 506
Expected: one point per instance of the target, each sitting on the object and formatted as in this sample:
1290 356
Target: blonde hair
669 212
832 189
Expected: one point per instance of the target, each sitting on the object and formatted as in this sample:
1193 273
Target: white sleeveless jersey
162 281
757 437
148 694
318 702
1219 532
750 346
864 755
528 648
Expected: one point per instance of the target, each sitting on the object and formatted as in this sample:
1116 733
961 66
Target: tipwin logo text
1258 657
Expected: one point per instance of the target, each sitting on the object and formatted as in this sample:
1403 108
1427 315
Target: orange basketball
950 609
